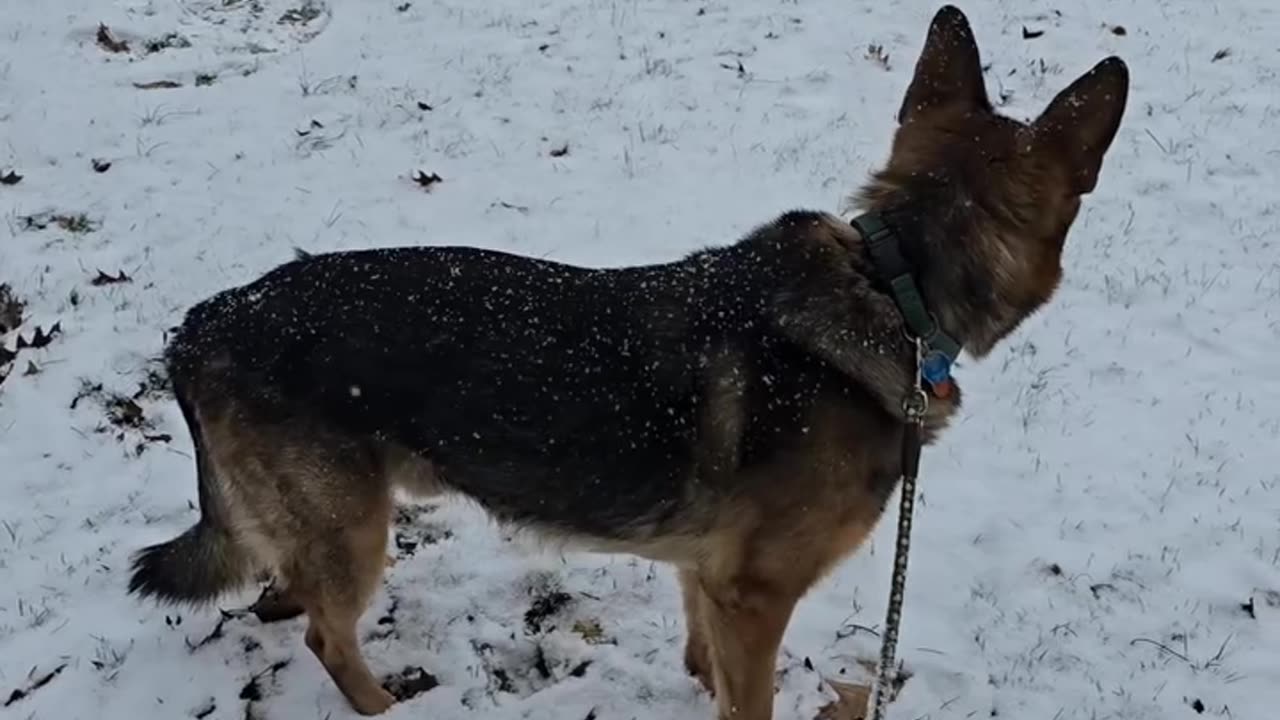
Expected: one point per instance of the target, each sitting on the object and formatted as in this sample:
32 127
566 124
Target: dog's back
513 376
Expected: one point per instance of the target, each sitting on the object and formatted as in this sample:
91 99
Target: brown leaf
11 309
36 684
426 180
41 337
158 85
105 279
124 411
301 15
410 682
851 702
109 42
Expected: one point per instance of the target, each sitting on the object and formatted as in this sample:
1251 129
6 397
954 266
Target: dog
736 413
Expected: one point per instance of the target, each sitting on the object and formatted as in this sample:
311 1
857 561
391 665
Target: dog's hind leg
333 578
697 653
745 620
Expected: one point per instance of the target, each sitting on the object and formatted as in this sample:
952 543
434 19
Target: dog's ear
949 70
1083 119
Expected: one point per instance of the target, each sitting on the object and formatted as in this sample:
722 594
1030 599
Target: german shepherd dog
736 413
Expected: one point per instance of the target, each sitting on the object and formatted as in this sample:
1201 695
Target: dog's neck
961 290
883 237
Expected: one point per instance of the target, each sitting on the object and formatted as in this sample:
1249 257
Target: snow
1088 534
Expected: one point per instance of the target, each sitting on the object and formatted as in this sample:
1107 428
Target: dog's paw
698 664
375 702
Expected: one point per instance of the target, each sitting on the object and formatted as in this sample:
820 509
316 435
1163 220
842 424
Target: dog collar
940 349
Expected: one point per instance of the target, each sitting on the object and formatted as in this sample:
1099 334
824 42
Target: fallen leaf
36 684
109 42
105 279
410 682
851 702
41 337
11 309
426 180
158 85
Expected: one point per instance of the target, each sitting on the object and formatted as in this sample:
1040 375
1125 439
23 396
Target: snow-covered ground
1099 537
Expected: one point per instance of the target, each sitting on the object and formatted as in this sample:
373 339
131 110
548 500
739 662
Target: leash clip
915 405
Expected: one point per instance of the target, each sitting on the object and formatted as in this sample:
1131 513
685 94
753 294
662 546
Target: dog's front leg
744 622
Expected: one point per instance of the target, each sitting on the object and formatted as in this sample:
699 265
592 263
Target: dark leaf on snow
158 85
410 682
11 309
426 180
36 684
107 41
41 337
105 279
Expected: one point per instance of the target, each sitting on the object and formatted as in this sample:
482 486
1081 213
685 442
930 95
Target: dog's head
1008 190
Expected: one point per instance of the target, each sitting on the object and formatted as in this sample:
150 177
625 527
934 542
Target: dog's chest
940 411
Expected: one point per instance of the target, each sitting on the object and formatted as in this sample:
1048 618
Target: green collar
940 349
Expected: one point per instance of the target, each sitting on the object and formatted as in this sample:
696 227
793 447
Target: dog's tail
205 561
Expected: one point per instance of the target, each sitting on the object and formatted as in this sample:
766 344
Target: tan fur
327 542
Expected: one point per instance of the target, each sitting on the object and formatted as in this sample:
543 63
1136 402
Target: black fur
191 569
554 395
